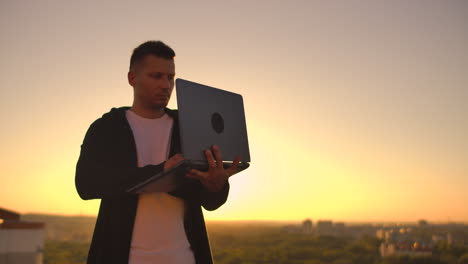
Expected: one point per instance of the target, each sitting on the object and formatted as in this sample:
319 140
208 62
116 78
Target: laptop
207 116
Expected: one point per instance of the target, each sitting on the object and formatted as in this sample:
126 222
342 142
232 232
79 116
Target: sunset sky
356 110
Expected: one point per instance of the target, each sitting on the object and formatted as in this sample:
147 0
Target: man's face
153 82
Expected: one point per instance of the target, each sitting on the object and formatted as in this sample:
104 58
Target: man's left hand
216 177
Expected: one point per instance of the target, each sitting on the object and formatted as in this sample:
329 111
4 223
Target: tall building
20 242
325 227
307 226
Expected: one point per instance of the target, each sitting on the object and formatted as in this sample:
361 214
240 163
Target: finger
210 159
234 168
177 157
196 174
217 153
172 161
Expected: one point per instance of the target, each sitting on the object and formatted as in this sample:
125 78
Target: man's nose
165 83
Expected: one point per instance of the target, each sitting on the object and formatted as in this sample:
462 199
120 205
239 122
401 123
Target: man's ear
131 78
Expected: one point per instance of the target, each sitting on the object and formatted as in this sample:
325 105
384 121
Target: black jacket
108 166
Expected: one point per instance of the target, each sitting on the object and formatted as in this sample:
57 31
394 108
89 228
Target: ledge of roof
9 215
21 225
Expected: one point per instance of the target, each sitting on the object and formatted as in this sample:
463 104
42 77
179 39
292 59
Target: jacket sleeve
105 167
213 200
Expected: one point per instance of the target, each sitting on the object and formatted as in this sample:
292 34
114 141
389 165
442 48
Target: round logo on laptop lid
217 122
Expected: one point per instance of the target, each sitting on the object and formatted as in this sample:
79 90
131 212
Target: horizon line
283 220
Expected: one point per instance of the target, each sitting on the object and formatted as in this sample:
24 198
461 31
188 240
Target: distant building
392 235
324 224
438 238
307 226
339 228
20 242
400 249
455 239
324 227
423 223
380 234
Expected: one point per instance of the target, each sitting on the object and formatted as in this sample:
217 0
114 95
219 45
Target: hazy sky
356 110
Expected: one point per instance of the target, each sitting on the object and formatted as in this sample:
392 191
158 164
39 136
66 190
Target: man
128 145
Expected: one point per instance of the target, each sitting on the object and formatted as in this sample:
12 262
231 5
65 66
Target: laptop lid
209 116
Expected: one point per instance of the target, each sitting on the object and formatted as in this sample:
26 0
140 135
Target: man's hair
155 48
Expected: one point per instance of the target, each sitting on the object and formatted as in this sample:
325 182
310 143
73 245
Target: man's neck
148 113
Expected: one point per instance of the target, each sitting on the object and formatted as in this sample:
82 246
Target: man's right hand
172 161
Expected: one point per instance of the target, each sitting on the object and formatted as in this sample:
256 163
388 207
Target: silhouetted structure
307 226
20 242
324 227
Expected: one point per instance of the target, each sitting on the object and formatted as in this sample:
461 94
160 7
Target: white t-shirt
158 234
